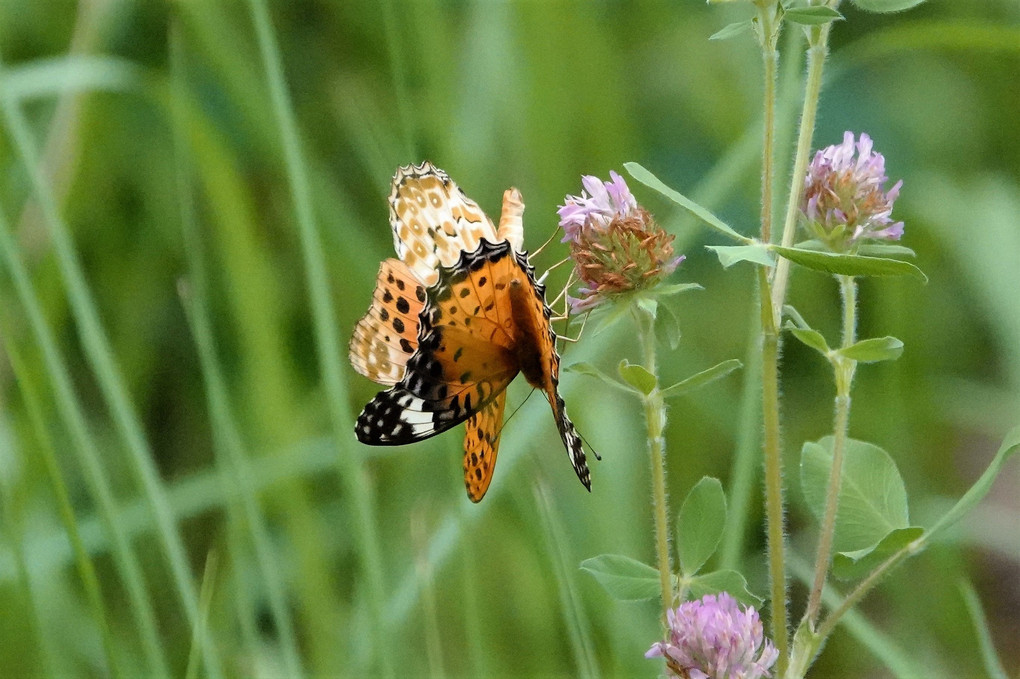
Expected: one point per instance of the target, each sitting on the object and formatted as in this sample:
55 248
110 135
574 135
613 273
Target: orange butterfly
452 322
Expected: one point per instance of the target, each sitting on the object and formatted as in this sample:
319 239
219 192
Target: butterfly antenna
593 451
542 247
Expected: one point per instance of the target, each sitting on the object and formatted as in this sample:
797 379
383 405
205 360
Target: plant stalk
844 373
768 27
773 471
818 49
655 422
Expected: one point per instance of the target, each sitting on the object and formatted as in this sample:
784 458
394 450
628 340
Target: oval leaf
872 498
874 350
637 376
849 265
732 30
812 16
624 578
853 565
699 526
582 368
651 181
723 581
884 250
731 254
811 338
702 378
973 496
886 5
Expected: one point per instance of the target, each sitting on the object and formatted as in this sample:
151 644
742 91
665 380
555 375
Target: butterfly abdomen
531 332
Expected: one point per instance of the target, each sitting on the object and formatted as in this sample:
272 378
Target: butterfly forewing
433 221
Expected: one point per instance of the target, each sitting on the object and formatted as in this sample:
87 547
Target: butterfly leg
550 240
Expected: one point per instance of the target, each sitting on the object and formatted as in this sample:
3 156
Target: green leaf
857 564
582 368
667 327
874 350
723 581
624 578
731 254
637 376
609 315
673 289
884 250
702 378
732 30
648 304
993 665
883 6
849 265
651 181
872 499
65 75
811 338
791 312
980 488
699 525
811 16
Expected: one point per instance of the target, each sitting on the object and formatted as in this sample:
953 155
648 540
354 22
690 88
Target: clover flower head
614 242
844 199
715 638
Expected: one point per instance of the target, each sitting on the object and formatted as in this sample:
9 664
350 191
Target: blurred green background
181 488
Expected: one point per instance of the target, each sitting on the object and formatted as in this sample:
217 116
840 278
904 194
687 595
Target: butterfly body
467 294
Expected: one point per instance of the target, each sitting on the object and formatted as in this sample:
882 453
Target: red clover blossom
844 200
614 242
713 638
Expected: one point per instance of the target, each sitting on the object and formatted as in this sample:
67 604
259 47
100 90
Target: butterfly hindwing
387 335
433 221
481 444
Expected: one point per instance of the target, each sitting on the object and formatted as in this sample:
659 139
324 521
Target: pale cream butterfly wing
433 221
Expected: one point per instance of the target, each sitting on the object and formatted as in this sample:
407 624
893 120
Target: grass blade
101 360
327 344
231 460
87 453
86 570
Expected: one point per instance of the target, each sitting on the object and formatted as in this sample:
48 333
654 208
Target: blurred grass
235 408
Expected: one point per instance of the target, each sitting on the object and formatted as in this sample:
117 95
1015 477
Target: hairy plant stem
770 60
768 24
867 584
818 49
773 471
655 422
844 373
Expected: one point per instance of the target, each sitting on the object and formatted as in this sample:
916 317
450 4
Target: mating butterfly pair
452 322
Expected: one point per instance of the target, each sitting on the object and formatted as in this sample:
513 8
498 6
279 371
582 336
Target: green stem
844 372
773 471
768 25
867 584
818 49
770 59
655 421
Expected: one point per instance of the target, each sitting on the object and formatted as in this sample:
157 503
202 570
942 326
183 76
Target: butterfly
454 318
